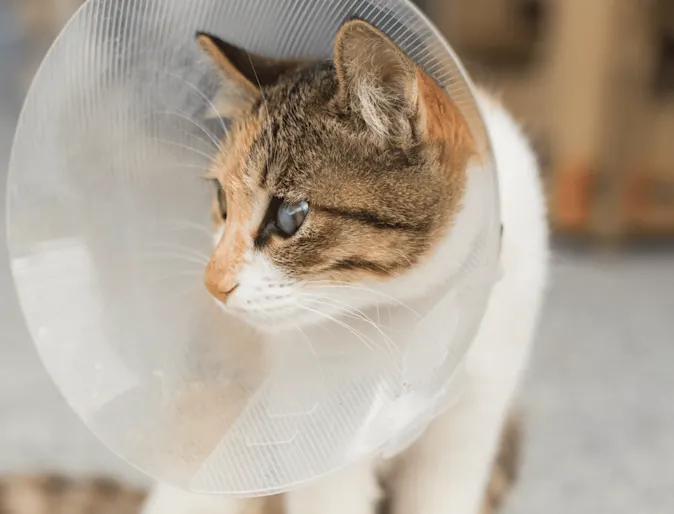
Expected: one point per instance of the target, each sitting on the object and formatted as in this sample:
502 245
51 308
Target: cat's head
336 180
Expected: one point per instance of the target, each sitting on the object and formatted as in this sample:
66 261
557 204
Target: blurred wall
593 83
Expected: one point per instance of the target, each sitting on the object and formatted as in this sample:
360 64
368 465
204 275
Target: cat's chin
270 324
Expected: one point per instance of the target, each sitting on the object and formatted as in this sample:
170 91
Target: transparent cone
108 228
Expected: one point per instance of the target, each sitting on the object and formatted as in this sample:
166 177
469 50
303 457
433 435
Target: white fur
373 105
445 471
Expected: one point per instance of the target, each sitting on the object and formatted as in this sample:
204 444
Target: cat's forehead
303 152
296 130
299 146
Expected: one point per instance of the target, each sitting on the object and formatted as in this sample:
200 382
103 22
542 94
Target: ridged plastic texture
108 224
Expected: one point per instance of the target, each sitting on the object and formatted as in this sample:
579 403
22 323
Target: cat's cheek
262 289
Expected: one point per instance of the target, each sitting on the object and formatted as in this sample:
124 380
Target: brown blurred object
495 32
41 21
594 83
571 197
648 198
60 494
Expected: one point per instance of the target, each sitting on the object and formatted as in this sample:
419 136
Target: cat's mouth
283 314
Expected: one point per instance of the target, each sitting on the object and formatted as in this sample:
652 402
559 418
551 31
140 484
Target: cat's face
335 182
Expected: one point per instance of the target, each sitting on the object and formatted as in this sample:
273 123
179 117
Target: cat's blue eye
289 217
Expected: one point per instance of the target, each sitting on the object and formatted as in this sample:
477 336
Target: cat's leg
506 467
164 499
354 491
447 469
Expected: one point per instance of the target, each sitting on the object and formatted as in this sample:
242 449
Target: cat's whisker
175 256
201 126
358 314
179 248
333 302
334 284
179 165
195 137
361 315
306 339
200 93
188 133
364 339
341 310
190 225
184 147
186 225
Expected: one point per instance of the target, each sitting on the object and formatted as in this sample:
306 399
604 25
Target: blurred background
592 81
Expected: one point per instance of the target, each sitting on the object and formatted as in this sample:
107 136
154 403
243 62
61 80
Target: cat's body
446 471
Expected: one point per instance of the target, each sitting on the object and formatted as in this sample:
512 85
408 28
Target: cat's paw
167 500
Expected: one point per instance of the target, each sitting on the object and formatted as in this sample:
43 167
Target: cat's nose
221 283
221 292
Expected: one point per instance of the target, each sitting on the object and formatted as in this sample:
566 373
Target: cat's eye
222 202
289 217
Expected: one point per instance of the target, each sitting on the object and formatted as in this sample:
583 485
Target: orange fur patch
221 272
444 123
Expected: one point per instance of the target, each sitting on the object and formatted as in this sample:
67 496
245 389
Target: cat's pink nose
220 281
221 292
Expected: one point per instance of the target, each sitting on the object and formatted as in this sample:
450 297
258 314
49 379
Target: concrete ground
598 399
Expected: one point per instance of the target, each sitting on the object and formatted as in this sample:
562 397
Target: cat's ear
376 79
244 73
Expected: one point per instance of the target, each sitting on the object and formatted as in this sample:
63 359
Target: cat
362 171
